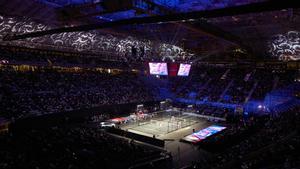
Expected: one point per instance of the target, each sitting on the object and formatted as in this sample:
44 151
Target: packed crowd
227 85
72 148
214 111
253 143
43 92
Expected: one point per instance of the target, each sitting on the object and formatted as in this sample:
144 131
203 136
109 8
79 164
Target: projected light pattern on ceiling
286 46
91 41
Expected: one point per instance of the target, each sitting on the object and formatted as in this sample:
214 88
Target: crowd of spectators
48 91
226 85
213 111
71 148
253 143
41 92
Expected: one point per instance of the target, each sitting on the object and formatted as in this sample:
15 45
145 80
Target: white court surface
162 126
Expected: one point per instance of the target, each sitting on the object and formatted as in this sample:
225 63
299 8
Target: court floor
160 126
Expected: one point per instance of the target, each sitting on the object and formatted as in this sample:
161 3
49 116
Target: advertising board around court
198 136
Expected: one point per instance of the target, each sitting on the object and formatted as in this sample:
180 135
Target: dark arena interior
149 84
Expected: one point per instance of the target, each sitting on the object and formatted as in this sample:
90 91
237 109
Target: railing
205 116
251 92
225 90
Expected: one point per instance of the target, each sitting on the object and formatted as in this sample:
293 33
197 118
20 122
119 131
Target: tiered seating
236 85
43 92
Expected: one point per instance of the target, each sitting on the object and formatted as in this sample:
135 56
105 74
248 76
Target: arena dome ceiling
253 31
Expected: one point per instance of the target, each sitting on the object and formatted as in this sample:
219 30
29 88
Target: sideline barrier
138 137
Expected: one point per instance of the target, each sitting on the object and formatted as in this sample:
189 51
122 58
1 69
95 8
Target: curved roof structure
164 28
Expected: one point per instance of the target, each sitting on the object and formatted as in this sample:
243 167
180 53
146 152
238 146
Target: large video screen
158 68
184 69
203 134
